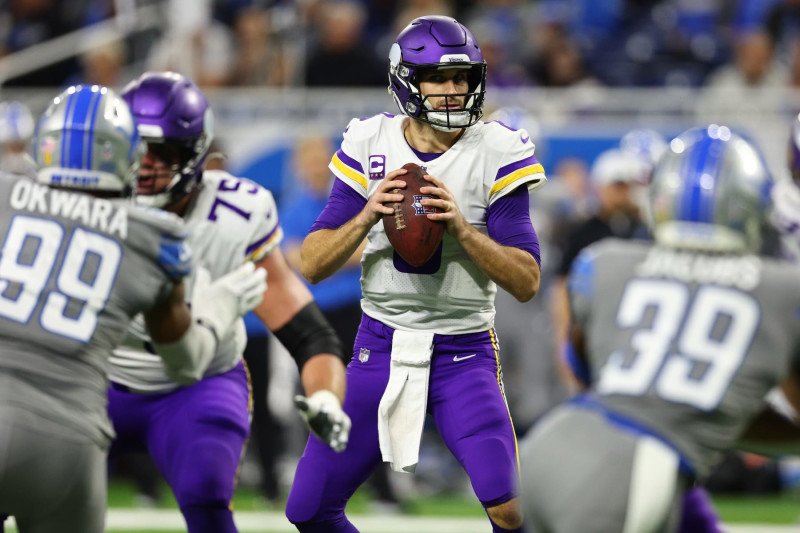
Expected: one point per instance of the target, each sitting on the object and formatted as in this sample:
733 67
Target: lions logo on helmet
710 191
171 110
436 42
87 139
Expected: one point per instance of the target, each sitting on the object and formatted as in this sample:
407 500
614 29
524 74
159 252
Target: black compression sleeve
309 333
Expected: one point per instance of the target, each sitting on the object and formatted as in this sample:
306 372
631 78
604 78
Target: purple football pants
196 436
466 400
698 515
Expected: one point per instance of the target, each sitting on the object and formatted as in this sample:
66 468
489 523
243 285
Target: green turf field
428 514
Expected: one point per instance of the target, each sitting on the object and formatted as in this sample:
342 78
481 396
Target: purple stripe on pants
196 435
465 400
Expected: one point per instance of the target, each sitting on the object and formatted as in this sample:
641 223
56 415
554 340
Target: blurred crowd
727 44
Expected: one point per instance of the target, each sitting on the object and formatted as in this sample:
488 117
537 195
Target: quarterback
426 343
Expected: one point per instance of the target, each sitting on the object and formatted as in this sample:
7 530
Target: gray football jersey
685 344
74 270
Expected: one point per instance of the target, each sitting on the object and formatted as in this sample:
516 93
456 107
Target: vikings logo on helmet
436 42
710 191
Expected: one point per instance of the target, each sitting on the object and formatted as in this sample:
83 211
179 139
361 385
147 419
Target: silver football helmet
710 191
87 139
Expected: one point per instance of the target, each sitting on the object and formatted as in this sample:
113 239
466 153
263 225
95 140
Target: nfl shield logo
363 355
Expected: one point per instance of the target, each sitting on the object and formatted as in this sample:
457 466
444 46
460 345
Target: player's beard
447 119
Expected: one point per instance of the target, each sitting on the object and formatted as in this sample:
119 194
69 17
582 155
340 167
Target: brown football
414 236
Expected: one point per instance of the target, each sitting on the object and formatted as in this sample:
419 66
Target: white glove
220 303
323 415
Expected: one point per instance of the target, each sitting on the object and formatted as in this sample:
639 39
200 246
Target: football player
78 261
687 334
786 195
196 435
427 340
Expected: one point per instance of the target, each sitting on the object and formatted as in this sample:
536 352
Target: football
414 236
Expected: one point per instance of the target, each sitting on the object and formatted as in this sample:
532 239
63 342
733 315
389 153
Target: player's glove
220 303
323 415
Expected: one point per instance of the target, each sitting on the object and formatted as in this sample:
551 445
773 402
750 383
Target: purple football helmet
794 150
436 42
172 111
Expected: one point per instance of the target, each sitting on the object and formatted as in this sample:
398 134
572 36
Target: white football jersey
231 220
449 294
786 216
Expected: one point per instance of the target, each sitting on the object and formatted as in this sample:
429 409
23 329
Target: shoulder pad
499 137
164 221
363 128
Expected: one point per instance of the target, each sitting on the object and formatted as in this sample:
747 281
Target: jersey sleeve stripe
517 165
514 176
349 167
265 245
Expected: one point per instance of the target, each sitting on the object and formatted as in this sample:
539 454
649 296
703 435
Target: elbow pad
186 360
309 333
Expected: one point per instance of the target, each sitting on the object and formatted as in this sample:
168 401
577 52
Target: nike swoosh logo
457 358
524 139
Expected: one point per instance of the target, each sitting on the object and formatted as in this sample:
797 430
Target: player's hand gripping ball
414 236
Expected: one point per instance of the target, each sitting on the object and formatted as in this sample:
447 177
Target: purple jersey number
230 185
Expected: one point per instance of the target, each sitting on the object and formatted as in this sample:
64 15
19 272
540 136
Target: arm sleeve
343 204
575 243
580 286
579 366
509 223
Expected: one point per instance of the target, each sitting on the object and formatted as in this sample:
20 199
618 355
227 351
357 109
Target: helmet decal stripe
691 187
90 130
711 175
83 100
66 130
696 188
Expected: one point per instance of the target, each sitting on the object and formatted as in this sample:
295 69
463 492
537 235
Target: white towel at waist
401 413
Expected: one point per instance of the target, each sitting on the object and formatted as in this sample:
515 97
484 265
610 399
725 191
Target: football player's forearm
324 372
327 250
515 270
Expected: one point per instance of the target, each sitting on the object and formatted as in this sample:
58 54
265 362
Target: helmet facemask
182 161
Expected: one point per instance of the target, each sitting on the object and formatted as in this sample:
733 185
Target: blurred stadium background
577 74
